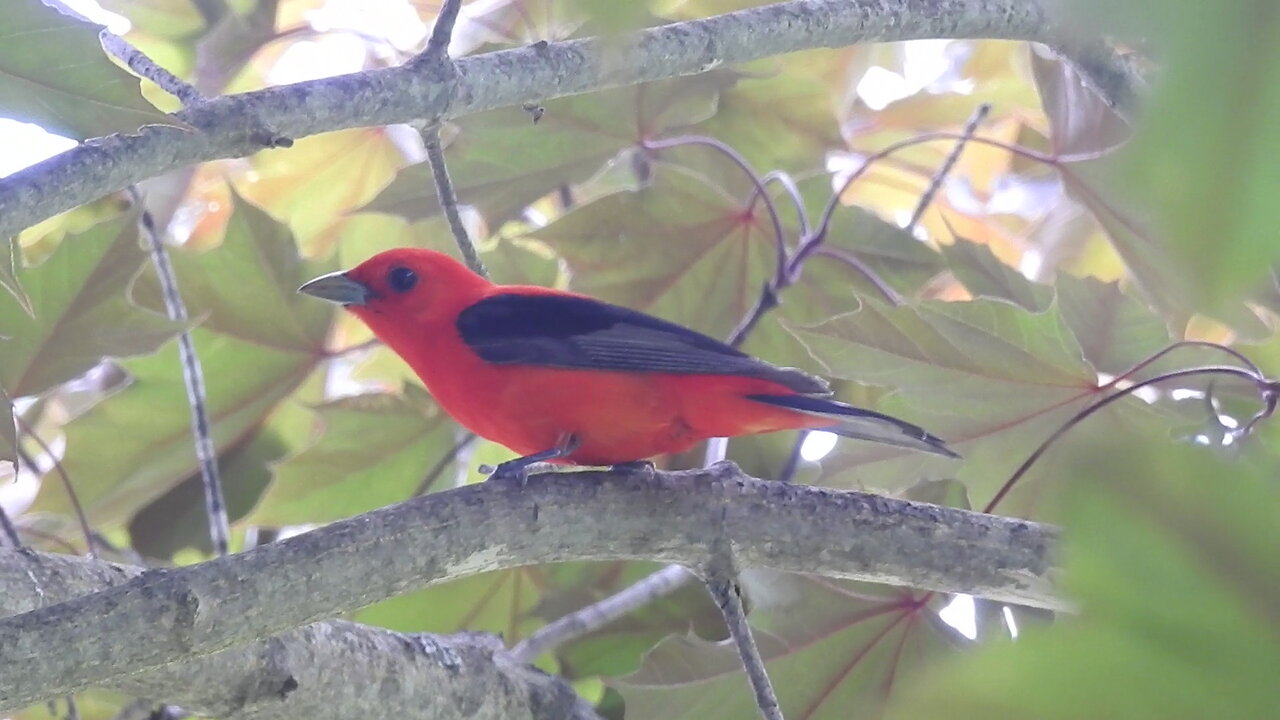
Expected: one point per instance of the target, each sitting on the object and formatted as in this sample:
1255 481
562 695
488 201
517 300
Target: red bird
563 377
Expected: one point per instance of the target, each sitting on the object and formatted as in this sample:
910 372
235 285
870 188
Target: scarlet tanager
563 377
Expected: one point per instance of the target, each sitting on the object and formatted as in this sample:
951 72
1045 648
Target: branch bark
384 673
230 126
165 616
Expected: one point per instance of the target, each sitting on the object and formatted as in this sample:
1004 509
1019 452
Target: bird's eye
401 279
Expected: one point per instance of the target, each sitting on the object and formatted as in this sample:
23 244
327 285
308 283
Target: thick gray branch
230 125
383 673
169 615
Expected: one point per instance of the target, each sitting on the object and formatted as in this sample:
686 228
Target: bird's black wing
564 331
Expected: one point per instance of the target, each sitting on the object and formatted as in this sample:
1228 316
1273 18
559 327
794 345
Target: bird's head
399 289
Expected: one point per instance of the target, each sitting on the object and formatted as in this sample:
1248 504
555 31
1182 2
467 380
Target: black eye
401 279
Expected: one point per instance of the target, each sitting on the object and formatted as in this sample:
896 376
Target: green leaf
679 248
1170 554
374 451
985 275
500 162
618 648
1216 105
1115 330
10 255
894 254
54 73
499 602
248 287
778 120
1165 248
177 520
833 651
989 377
82 312
174 19
254 352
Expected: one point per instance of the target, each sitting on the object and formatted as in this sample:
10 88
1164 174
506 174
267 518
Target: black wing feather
580 333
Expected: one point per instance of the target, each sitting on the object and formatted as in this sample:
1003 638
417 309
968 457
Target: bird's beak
339 288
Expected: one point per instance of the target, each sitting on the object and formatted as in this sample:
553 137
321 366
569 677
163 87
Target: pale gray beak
337 287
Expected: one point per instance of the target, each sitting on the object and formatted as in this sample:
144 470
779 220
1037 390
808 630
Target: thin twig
441 33
70 489
728 596
449 199
185 92
1270 391
435 58
789 468
935 183
1179 345
9 529
779 235
434 473
138 62
793 191
811 243
593 617
215 506
52 539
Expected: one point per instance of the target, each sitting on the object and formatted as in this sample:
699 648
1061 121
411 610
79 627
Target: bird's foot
512 472
634 467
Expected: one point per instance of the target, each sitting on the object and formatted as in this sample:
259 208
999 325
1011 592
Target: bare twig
70 489
9 530
723 584
788 471
434 61
147 68
793 191
935 183
215 506
593 617
449 200
1268 390
434 473
441 33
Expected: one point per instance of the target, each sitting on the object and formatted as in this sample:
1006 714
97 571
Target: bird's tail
853 422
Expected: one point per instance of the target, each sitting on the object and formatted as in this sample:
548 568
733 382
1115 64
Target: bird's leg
518 469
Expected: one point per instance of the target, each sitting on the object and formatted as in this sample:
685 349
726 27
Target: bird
566 378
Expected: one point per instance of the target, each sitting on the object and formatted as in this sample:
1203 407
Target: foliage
1028 291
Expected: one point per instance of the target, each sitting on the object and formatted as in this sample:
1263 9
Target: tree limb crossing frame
231 125
166 616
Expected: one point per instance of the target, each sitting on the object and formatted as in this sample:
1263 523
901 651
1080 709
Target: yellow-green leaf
81 310
54 73
375 450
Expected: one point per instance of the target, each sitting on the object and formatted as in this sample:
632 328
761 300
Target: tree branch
165 616
229 126
437 677
723 585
